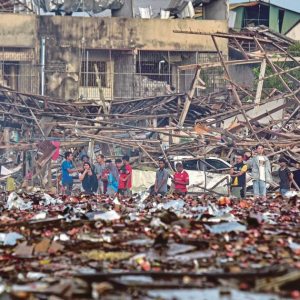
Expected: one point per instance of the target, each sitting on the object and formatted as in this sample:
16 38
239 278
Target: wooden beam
296 100
259 87
233 63
105 110
233 87
241 49
36 121
237 86
139 145
224 35
289 76
219 64
278 73
189 97
49 177
254 120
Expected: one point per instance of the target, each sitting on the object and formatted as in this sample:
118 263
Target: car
214 173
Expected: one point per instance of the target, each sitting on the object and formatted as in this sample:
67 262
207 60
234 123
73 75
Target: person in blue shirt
113 180
67 169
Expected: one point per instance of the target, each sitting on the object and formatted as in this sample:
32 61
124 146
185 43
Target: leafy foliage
274 82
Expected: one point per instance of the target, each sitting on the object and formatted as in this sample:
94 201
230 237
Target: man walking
286 177
181 180
261 171
67 169
128 179
161 186
99 169
238 174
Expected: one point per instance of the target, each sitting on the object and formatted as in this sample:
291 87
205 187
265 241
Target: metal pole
39 8
140 70
84 72
87 75
169 69
197 63
110 82
42 64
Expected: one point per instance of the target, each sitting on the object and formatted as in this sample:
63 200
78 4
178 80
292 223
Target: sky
157 4
289 4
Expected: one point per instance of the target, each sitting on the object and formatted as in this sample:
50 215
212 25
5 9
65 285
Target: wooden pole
6 134
49 174
189 96
233 87
259 87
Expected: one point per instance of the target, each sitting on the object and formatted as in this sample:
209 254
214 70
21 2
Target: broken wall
65 44
262 109
66 37
241 74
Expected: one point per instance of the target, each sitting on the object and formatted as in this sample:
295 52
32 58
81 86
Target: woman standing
89 179
113 180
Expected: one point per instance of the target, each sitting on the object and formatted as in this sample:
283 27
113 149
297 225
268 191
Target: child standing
123 180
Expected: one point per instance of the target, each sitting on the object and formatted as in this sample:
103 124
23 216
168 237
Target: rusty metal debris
196 244
194 126
87 246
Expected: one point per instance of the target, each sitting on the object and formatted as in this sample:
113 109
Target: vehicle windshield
191 165
218 164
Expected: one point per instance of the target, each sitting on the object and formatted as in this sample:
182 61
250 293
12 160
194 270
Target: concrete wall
121 33
294 33
18 30
66 36
241 74
262 109
216 10
64 42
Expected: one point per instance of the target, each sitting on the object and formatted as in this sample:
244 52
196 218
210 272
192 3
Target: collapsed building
135 57
57 56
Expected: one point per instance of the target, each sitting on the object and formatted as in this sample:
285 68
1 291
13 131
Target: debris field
132 247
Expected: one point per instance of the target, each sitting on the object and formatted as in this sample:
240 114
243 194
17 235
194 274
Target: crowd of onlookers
261 173
106 177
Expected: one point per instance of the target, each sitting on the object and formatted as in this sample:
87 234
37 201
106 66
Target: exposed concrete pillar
13 74
125 12
216 10
6 138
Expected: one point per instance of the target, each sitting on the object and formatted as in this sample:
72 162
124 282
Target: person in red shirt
122 181
181 180
128 182
104 176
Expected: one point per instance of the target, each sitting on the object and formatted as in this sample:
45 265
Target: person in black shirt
89 179
286 177
238 174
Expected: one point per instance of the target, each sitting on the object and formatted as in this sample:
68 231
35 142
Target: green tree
274 82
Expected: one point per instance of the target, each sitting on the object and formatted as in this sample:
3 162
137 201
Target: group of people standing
261 173
105 177
110 178
180 180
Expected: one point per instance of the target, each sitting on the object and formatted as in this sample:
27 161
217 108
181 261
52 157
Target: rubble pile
193 124
139 248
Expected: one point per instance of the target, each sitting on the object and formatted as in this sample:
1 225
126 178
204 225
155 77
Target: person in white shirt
261 171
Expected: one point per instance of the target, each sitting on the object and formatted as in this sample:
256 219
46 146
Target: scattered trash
191 239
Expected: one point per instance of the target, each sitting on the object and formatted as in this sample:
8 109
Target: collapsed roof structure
229 121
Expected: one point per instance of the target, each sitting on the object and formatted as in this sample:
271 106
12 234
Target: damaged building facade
120 58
